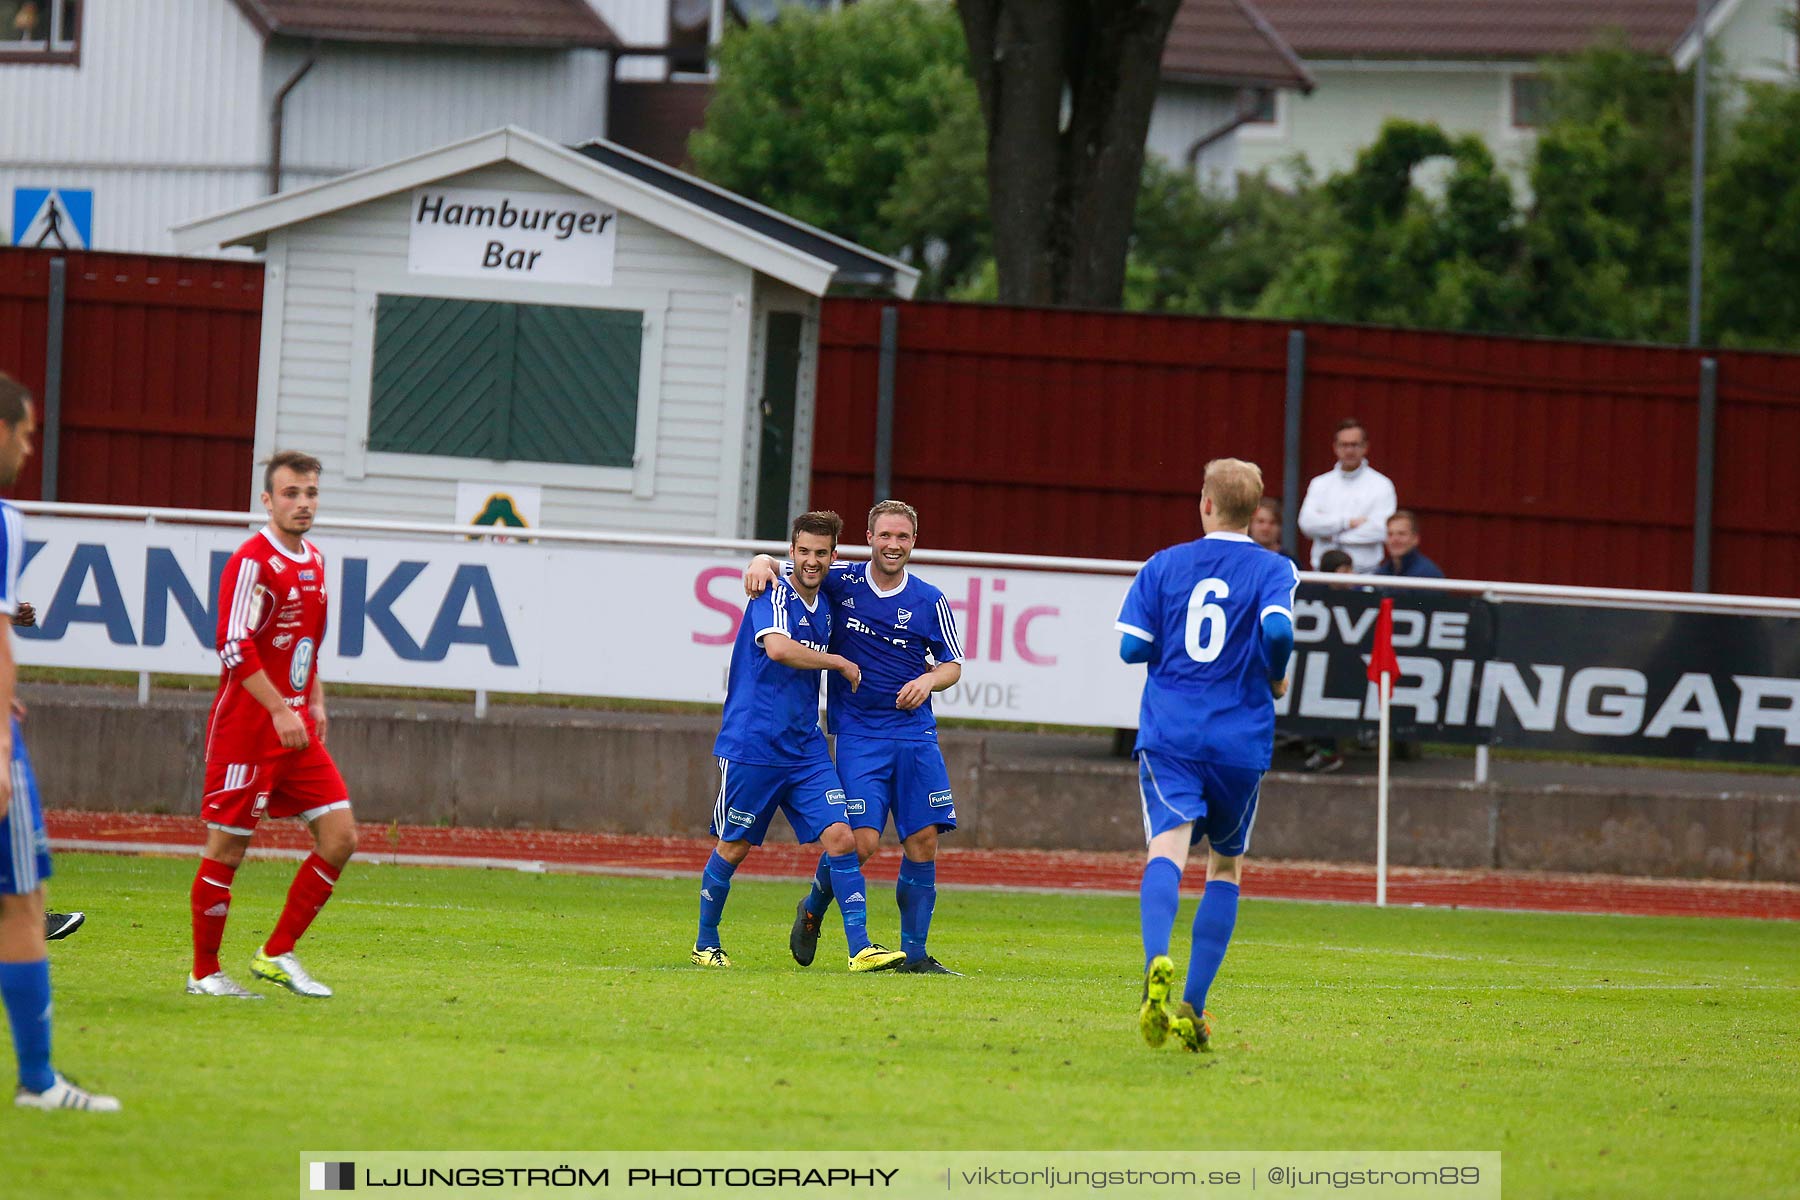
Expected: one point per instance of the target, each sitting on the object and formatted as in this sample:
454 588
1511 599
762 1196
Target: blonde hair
898 508
1235 486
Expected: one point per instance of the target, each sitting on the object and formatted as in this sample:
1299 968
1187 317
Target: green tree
1608 232
1196 250
1385 249
1753 204
863 122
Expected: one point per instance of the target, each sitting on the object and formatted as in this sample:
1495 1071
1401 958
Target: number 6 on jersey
1206 621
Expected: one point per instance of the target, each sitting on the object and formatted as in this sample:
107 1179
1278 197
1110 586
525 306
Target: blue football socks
916 892
819 899
25 987
715 886
853 902
1158 897
1212 934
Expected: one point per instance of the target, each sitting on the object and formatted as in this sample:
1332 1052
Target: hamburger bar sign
552 237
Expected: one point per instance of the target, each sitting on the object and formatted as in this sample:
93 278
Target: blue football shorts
24 844
809 794
1219 800
888 777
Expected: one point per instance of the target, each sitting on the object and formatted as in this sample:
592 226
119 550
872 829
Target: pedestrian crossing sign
53 218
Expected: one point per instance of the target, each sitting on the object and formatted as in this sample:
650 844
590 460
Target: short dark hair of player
15 401
898 508
1407 515
1270 504
294 460
824 523
1352 423
1235 487
1333 561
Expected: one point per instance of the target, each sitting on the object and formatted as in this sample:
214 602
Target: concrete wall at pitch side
433 763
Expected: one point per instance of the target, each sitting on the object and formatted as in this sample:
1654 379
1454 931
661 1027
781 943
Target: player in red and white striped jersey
265 737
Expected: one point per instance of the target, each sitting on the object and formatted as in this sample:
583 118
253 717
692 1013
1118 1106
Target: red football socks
311 889
210 900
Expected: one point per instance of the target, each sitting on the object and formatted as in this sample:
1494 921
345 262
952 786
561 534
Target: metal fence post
884 404
1290 458
53 363
1706 453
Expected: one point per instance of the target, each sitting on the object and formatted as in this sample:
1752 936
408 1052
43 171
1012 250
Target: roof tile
546 23
1227 41
1473 29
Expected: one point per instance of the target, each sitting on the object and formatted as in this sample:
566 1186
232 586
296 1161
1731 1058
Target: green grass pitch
492 1010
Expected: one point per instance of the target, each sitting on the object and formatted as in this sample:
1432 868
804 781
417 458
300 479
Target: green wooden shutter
443 368
530 382
575 385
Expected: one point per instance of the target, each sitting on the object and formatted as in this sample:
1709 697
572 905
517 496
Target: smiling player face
890 546
293 503
813 555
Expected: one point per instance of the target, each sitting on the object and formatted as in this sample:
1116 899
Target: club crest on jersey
277 566
283 641
905 616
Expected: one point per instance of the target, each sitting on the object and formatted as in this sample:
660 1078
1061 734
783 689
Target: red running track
1055 870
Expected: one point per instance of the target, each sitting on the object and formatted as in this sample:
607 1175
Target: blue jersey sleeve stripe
1134 631
13 551
947 630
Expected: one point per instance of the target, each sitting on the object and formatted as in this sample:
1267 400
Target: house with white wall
1474 66
1223 67
628 346
148 113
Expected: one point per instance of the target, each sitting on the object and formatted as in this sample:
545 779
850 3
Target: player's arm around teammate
771 752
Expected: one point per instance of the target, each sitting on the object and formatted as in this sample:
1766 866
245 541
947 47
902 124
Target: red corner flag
1381 656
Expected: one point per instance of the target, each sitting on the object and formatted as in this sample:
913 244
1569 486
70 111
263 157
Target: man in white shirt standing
1347 507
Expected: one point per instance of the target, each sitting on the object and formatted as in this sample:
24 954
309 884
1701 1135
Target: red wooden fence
159 374
1058 432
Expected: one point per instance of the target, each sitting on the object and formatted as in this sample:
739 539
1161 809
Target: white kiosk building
583 333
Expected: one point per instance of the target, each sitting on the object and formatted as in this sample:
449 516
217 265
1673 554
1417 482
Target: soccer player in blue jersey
1214 619
24 847
771 753
901 632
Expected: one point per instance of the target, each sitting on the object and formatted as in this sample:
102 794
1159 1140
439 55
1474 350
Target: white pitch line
1536 987
536 866
1485 959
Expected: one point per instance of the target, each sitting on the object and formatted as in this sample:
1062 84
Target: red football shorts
296 783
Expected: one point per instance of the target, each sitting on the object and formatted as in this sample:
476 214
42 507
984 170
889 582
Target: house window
511 382
690 35
1260 104
1530 101
39 30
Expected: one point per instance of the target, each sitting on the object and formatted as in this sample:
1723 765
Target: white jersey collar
274 541
1225 535
869 577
